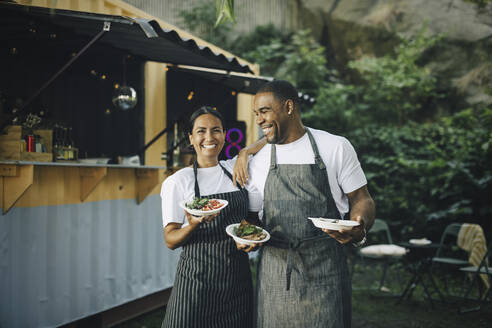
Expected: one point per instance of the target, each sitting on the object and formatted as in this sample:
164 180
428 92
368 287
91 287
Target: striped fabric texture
472 239
303 276
213 286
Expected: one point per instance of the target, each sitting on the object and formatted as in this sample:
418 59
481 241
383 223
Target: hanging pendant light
124 97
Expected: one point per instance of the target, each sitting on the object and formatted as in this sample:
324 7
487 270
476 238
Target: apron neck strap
317 157
195 172
273 158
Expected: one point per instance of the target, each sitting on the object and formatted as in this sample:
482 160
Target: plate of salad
245 233
203 206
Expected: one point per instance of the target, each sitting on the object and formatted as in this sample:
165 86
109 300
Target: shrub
424 176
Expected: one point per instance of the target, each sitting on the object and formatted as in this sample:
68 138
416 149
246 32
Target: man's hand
248 248
353 235
240 172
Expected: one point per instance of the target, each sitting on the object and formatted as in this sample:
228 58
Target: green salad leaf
245 229
197 203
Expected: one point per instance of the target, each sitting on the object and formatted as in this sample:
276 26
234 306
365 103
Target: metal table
418 263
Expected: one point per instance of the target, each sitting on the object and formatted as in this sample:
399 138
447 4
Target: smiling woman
213 280
207 135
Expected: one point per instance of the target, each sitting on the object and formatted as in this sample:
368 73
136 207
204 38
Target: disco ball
125 98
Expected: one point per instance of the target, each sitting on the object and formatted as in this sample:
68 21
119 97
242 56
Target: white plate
384 250
334 224
230 232
203 213
101 160
421 241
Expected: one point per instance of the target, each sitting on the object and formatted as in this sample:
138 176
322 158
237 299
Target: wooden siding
57 185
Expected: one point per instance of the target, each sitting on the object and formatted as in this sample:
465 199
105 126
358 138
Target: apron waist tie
292 245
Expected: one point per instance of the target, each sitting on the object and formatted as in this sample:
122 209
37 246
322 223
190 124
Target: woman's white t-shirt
211 180
344 171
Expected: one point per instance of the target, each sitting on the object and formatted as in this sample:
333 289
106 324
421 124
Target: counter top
77 164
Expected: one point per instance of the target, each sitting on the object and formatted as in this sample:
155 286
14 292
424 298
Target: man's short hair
282 90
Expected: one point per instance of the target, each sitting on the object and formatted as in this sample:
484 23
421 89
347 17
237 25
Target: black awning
138 37
245 83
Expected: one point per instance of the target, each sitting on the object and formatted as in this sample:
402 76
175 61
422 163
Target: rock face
351 28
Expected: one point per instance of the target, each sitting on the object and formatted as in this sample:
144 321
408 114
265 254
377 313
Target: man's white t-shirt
211 180
344 171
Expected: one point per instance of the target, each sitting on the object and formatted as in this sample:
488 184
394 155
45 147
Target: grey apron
303 278
213 286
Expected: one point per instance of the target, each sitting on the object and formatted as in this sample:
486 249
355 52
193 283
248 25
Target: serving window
77 107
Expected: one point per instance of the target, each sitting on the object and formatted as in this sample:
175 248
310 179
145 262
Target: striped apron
303 278
213 286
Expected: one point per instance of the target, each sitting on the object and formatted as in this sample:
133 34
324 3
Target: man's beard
274 137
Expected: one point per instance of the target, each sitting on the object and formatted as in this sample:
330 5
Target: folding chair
447 255
483 268
379 236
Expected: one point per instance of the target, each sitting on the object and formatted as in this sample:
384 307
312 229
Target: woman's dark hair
201 111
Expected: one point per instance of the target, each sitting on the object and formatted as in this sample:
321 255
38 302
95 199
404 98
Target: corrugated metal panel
62 263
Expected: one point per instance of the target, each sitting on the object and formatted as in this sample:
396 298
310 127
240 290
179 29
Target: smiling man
303 279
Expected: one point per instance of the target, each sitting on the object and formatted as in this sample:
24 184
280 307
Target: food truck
94 98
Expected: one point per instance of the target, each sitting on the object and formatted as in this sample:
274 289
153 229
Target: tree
395 88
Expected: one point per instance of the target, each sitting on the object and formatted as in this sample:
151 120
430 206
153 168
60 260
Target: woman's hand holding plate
252 237
248 247
196 220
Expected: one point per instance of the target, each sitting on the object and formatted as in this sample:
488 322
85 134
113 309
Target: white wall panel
62 263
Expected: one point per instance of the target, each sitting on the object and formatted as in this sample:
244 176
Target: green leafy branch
225 11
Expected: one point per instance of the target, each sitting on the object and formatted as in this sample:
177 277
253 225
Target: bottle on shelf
175 145
64 143
70 144
57 142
